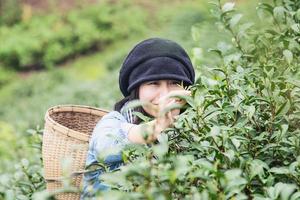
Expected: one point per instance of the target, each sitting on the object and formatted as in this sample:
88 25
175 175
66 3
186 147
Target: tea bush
46 40
6 75
239 136
24 177
75 82
238 139
10 12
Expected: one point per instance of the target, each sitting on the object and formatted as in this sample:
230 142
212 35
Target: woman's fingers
163 106
170 117
178 93
173 94
169 100
167 110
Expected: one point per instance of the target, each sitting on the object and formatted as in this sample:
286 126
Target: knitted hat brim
158 68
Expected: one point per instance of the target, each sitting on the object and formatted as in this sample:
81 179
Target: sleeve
109 138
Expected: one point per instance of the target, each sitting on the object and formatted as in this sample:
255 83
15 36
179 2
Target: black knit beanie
155 59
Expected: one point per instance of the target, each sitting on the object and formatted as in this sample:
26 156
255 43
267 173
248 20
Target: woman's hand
164 118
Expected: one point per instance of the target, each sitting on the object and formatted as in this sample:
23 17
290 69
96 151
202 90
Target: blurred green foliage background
52 54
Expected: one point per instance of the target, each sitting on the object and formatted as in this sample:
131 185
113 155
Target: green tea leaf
228 6
283 109
279 170
215 131
279 13
235 20
288 55
298 14
296 27
195 33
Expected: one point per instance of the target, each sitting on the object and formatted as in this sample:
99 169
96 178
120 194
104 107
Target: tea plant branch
225 20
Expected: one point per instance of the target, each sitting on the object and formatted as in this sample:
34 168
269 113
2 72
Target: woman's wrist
137 133
157 128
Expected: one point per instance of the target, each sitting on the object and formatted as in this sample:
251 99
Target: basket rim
73 108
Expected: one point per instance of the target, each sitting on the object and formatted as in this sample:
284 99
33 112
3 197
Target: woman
153 72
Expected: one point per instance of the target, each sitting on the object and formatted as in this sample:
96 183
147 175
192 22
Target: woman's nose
163 90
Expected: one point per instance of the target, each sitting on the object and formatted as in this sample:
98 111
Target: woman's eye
175 83
153 83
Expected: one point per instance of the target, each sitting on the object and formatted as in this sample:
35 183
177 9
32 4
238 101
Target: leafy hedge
10 12
239 137
46 40
25 177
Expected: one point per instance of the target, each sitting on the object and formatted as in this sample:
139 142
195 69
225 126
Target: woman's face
152 91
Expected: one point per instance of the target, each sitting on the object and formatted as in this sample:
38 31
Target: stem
228 87
238 42
225 20
29 178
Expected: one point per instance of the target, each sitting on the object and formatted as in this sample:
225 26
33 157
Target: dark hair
134 95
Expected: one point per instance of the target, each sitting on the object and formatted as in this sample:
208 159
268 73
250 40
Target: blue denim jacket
106 143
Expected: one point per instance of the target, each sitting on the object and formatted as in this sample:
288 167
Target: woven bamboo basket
66 138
